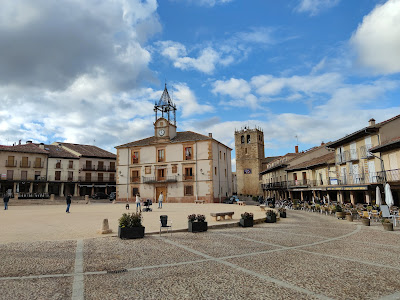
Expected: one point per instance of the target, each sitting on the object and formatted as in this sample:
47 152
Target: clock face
161 132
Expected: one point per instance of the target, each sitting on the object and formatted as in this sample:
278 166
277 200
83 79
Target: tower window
242 139
245 150
248 139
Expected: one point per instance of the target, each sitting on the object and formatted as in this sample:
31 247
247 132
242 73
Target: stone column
92 190
291 195
368 197
62 190
31 187
301 196
352 197
341 198
76 190
15 188
46 187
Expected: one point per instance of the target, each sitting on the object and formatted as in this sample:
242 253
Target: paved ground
305 256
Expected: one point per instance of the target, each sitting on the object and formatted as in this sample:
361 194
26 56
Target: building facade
185 166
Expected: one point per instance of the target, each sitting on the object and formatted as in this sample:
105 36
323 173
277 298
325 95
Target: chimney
371 122
41 146
29 142
322 143
296 149
210 135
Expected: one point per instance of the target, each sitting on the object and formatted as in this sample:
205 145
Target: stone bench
199 201
222 215
241 203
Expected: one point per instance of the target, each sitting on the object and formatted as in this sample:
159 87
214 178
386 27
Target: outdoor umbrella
388 195
378 196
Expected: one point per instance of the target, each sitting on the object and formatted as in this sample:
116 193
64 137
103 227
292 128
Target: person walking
138 204
68 202
6 199
160 200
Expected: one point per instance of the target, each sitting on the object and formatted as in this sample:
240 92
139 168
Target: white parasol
378 200
388 195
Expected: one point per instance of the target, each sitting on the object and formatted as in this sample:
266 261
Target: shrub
270 213
247 215
201 218
338 208
130 220
192 218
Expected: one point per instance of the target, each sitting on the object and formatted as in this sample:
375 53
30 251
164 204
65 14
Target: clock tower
165 117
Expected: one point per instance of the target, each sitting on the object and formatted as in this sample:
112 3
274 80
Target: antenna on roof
297 139
94 142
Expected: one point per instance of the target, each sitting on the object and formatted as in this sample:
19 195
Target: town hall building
185 166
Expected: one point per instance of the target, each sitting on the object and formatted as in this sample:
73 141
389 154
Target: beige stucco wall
18 158
64 168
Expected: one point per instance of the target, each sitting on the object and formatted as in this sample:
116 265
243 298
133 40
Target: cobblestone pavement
305 256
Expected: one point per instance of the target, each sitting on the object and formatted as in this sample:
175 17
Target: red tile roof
26 148
59 152
88 150
324 159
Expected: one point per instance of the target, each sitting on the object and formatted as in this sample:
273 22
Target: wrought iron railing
299 182
37 164
12 163
364 151
25 164
146 179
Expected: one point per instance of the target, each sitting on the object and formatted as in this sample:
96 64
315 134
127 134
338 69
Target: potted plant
387 225
246 220
340 214
365 221
130 226
270 216
197 223
349 217
282 212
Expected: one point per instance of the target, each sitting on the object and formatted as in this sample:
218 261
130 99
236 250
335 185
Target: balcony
165 179
111 169
58 166
25 164
89 168
353 155
135 179
299 183
37 164
11 163
86 179
390 175
187 177
340 159
364 151
135 160
101 168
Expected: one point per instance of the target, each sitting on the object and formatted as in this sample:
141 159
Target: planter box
246 222
340 215
131 233
197 226
365 222
349 218
283 214
270 219
388 226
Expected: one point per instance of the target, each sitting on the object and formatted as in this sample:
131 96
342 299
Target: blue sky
90 72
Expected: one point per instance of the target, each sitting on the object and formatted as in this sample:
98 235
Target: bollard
105 229
87 200
52 197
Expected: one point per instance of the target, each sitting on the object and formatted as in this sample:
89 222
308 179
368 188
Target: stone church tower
249 147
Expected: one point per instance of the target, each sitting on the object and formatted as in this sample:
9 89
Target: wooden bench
222 215
241 203
263 206
199 201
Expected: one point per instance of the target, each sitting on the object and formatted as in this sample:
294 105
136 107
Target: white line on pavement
78 286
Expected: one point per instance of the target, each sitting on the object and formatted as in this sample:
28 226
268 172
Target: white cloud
186 101
377 39
209 3
232 87
314 7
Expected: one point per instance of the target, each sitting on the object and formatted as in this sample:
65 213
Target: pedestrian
160 200
138 205
68 202
6 199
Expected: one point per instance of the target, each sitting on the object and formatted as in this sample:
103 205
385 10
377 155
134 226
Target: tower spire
166 106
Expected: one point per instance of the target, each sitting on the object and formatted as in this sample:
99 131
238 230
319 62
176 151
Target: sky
89 72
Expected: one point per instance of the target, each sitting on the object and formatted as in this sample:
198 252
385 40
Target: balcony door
24 175
162 189
371 171
24 162
161 174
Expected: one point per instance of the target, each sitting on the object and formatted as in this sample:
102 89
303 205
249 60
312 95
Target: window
135 176
174 168
10 174
135 157
88 177
147 170
58 164
161 155
100 177
248 139
188 190
161 123
24 162
70 175
100 166
161 174
188 153
215 170
242 139
188 173
224 156
58 175
112 177
37 175
38 163
112 166
71 164
135 191
88 165
11 162
24 175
